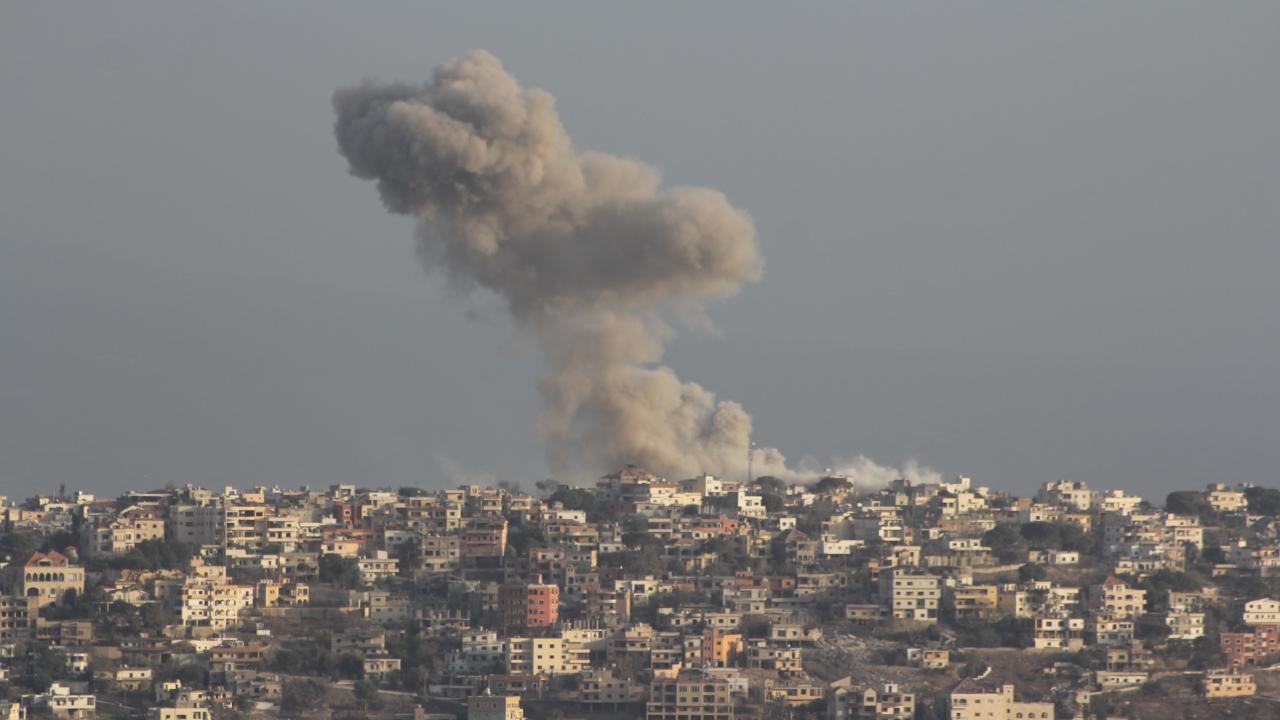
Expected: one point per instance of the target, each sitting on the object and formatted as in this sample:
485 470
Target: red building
527 607
1248 647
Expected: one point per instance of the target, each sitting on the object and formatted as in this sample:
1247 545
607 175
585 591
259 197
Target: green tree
1006 543
1030 572
366 693
339 571
1263 501
350 665
304 694
1188 502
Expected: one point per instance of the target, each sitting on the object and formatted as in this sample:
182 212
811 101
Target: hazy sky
1022 241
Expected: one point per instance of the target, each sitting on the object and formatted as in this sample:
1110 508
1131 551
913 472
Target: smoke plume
587 250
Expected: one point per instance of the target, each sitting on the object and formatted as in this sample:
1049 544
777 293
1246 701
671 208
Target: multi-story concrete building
1262 642
494 707
1228 684
975 602
689 696
198 524
847 701
599 688
525 607
1225 500
1114 598
909 595
540 656
120 534
974 700
1058 632
1264 611
1068 494
379 566
46 577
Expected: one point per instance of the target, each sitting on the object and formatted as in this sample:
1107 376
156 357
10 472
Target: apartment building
197 524
848 701
1228 684
540 656
1114 598
119 534
1110 631
63 702
1264 611
975 602
494 707
208 598
1058 632
1225 500
763 655
910 595
1068 494
974 700
18 616
525 607
1185 625
600 688
689 696
379 566
179 713
1260 643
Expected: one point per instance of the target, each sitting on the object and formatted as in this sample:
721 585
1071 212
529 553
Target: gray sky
1021 241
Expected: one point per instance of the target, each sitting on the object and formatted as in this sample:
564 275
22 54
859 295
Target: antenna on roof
751 455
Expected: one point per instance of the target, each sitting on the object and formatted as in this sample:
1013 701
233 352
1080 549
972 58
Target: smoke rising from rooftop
588 251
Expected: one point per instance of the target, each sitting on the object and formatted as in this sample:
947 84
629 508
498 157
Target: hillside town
642 597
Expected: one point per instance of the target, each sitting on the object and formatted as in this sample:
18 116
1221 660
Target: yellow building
689 697
122 533
1228 684
46 577
494 707
1114 598
976 602
541 656
973 700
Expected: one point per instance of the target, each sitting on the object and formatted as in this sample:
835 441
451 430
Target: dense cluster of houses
696 599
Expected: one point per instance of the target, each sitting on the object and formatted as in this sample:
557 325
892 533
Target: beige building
119 535
207 597
380 566
689 697
600 687
1263 611
377 667
179 713
1225 500
541 656
64 703
910 595
975 602
494 707
847 701
1115 599
972 700
198 524
1068 494
46 577
18 614
1228 684
1058 632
